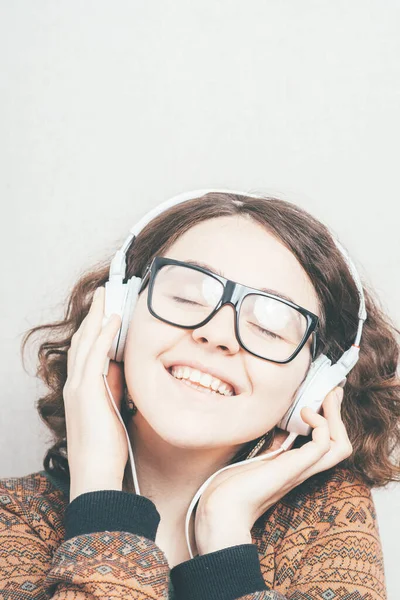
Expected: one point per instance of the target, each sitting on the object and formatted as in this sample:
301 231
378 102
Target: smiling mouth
196 386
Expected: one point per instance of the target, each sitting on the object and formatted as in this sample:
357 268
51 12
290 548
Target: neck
169 475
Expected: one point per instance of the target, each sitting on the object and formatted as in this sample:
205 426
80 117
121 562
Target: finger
76 338
320 444
341 448
89 333
99 351
90 324
297 462
74 344
331 411
293 466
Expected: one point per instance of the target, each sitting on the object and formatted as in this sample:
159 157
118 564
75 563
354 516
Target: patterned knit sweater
320 542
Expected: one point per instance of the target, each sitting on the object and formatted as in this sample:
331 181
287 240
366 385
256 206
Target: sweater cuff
222 575
111 510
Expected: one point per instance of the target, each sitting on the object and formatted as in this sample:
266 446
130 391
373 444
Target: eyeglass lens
268 327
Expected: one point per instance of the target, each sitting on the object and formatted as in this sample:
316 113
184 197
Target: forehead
242 250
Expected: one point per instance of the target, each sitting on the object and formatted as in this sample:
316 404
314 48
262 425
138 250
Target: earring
269 436
256 448
130 406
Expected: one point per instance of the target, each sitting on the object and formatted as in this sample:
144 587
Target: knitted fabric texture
319 542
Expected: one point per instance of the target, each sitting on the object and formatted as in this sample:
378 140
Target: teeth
195 376
204 380
215 384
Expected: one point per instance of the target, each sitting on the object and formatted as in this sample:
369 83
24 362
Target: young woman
197 394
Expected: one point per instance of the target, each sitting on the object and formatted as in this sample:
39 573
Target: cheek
142 334
147 339
142 346
275 386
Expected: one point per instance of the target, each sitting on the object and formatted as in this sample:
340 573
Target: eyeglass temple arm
145 277
314 345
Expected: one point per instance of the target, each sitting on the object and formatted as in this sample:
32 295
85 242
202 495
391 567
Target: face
181 415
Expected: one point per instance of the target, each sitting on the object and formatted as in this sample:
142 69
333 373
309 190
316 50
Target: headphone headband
118 264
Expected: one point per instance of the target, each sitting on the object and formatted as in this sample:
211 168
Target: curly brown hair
371 404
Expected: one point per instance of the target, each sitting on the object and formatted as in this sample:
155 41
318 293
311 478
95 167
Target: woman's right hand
96 441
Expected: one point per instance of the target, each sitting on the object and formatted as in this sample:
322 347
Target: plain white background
108 108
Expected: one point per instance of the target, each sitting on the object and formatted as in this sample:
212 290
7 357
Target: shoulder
320 532
33 499
334 499
32 486
336 484
337 496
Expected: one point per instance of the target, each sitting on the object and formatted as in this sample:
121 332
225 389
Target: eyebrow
197 263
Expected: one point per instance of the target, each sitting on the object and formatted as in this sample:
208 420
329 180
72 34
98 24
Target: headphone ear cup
292 421
323 380
133 286
114 302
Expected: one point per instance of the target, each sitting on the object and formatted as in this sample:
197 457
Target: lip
200 367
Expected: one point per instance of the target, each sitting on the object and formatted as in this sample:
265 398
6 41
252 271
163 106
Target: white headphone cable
131 458
284 446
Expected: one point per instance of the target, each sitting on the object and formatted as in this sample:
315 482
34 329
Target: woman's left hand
237 497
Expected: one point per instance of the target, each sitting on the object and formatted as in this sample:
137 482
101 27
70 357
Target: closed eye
185 301
267 333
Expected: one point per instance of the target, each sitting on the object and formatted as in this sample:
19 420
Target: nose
219 332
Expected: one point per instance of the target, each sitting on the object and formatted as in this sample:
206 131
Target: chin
185 433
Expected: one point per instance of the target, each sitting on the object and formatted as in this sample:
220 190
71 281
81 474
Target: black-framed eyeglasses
188 296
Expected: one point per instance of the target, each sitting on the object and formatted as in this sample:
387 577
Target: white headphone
322 377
